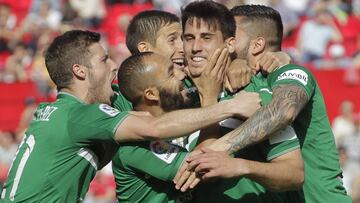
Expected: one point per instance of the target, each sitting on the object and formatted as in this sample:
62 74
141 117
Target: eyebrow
203 34
172 34
187 34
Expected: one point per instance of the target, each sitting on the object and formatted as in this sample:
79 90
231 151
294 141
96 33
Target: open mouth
179 62
198 60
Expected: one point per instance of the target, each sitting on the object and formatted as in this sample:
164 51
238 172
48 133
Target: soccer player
68 139
297 99
143 170
156 31
206 26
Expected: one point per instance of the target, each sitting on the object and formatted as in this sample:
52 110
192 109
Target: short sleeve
94 122
293 74
159 159
281 143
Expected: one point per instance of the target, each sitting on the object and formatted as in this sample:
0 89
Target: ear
79 71
151 94
144 46
258 45
230 44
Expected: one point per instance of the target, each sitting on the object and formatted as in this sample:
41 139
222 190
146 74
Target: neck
79 92
154 110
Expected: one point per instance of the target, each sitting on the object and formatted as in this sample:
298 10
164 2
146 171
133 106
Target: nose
179 46
196 46
113 66
179 74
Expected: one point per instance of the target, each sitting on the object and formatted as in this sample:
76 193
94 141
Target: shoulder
292 72
94 111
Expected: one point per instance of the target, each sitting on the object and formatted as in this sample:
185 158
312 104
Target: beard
242 54
170 101
97 93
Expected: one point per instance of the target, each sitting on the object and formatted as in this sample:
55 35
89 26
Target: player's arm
172 124
158 159
290 95
283 173
177 123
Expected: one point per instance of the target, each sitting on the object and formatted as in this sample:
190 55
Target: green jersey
119 101
323 176
244 189
144 170
60 152
192 93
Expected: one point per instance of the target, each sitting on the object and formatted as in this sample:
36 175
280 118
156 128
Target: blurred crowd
322 34
346 129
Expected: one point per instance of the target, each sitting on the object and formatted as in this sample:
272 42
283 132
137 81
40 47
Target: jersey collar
68 96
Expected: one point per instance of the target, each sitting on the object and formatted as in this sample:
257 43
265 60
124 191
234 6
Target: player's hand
245 104
237 75
271 61
186 178
210 82
216 164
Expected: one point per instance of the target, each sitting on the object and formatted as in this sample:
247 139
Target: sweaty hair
264 21
68 49
145 26
216 15
131 76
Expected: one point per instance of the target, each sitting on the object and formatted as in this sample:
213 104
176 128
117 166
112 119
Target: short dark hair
145 26
130 76
214 14
68 49
265 21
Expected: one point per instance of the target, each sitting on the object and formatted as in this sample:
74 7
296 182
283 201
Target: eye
171 40
188 38
105 59
207 37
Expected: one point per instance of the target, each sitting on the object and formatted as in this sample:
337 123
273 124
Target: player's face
170 45
171 87
102 72
200 42
242 41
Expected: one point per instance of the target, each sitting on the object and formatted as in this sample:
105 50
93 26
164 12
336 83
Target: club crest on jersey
295 74
109 110
164 151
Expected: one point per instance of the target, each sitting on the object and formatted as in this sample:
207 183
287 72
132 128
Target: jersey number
29 146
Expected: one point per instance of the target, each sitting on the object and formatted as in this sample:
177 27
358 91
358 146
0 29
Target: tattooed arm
288 100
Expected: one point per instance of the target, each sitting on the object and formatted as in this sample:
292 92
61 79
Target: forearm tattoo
287 102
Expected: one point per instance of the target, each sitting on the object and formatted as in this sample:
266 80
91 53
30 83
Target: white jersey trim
283 135
231 123
90 156
30 142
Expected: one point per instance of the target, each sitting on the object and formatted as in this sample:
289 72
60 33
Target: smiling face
101 75
200 42
169 44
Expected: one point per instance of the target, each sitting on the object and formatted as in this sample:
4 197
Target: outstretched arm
283 173
174 124
288 100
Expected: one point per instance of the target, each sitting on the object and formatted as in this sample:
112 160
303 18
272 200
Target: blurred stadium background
323 35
